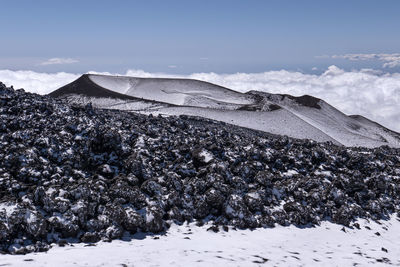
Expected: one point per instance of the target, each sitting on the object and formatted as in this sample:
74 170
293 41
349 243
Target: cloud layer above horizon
59 61
366 92
390 60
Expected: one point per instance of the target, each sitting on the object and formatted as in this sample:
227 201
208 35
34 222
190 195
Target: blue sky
196 36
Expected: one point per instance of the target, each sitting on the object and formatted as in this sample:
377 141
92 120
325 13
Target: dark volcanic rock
77 172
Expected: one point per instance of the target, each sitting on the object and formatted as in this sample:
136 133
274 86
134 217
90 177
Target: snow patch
206 155
324 245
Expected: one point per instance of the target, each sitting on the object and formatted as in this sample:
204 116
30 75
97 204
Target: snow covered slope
299 117
190 245
173 91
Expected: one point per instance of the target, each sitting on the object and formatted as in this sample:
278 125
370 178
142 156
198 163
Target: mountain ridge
283 114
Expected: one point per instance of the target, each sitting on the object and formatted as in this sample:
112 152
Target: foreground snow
189 245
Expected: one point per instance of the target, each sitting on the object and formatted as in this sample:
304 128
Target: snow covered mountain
303 117
73 177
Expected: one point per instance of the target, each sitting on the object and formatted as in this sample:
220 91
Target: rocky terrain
78 174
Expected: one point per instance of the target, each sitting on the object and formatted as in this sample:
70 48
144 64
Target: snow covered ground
190 245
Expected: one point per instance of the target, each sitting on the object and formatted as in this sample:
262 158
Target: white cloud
59 61
390 60
367 92
172 66
35 82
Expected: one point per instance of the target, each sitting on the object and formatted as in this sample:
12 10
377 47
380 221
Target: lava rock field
78 174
